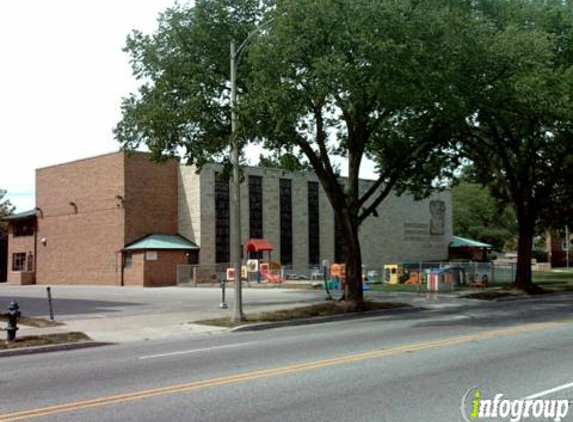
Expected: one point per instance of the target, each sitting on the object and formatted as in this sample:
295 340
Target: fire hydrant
13 317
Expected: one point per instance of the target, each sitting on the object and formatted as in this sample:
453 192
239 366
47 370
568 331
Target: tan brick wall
189 210
401 232
150 197
81 247
207 214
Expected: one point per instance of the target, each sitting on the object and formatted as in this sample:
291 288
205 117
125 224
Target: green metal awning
162 241
462 242
21 215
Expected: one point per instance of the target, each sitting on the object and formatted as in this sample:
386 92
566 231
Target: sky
62 77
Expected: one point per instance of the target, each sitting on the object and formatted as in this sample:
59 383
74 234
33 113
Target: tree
355 79
286 161
477 215
517 127
6 208
182 105
349 78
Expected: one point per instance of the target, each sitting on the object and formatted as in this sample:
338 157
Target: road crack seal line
265 373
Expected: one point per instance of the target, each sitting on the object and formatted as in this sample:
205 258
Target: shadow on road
36 307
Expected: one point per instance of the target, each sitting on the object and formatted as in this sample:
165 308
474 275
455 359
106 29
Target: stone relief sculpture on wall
438 217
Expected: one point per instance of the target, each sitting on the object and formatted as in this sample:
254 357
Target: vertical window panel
285 194
256 207
339 242
313 224
222 222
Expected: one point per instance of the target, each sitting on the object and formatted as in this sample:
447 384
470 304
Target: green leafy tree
6 208
355 79
517 112
477 215
349 78
286 161
182 105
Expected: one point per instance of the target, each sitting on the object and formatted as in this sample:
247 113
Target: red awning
258 245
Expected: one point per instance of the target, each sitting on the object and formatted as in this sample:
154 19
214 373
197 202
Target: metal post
236 216
223 304
567 245
325 264
50 305
419 284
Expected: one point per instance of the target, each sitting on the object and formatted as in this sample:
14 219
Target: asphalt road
79 302
413 366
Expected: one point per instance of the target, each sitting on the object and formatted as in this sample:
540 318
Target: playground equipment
392 272
437 280
413 278
231 273
268 274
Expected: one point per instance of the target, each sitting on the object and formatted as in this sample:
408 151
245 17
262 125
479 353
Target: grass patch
545 282
43 340
409 288
33 322
554 282
551 277
493 294
312 311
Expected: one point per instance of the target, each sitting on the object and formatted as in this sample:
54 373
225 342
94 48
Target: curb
319 320
533 297
521 298
51 348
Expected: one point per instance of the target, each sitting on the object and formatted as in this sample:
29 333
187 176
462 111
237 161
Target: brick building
119 219
86 212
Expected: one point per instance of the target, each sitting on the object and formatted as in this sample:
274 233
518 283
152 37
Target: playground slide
272 278
414 279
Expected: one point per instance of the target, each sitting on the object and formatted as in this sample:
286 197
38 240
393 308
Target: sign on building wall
438 217
151 256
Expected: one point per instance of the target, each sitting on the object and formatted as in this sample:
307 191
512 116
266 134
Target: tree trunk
353 295
524 254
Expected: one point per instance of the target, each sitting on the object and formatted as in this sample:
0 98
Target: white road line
206 349
547 392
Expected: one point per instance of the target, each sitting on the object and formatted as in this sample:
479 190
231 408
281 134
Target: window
127 259
222 221
256 207
339 241
285 193
313 224
23 228
19 262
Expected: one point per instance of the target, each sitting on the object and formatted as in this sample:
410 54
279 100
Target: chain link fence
415 276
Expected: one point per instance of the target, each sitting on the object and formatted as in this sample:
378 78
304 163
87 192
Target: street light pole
236 220
236 154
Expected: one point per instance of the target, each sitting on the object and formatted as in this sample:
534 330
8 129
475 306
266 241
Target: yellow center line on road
215 382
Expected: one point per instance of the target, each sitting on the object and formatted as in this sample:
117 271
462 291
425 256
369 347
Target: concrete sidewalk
115 314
